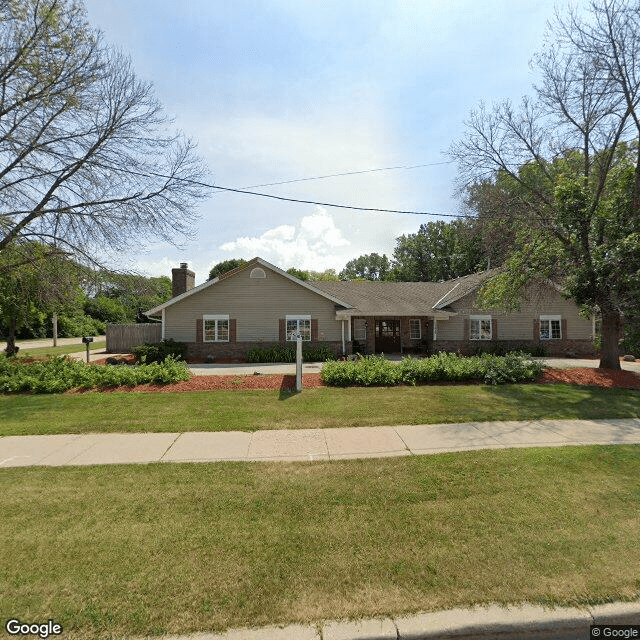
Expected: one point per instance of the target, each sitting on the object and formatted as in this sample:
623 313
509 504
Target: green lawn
121 550
313 408
61 350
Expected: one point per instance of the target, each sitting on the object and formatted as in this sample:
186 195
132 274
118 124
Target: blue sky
274 90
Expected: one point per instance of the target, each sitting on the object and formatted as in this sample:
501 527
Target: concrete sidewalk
504 623
308 444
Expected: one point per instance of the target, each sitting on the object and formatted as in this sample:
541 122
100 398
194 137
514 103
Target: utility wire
297 200
349 173
330 204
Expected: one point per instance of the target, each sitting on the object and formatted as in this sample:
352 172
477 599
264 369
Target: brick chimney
182 279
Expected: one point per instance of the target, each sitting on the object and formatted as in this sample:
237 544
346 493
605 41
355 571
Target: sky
280 90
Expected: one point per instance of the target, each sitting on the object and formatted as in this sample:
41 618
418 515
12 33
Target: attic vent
257 273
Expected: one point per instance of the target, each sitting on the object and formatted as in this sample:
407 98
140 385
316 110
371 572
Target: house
259 304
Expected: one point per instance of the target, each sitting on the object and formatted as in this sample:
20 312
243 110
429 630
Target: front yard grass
112 551
313 408
61 350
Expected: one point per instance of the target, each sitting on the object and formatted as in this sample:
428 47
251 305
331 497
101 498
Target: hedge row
58 374
320 353
442 367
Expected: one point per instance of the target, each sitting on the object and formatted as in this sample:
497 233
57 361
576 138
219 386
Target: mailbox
87 339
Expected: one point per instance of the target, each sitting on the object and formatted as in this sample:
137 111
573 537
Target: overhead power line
349 173
332 204
296 200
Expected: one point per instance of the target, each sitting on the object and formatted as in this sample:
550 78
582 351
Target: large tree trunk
611 332
11 348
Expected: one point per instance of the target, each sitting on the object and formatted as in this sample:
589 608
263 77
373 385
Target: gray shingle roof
401 298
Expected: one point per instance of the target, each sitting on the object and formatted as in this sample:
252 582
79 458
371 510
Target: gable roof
403 298
249 265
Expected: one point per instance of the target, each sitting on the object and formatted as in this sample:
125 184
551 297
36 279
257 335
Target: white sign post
298 362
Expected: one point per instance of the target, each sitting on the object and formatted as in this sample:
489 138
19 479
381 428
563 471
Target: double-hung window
415 329
215 328
550 327
298 325
480 328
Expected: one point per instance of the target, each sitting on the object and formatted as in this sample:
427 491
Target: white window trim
414 320
480 319
217 318
363 336
548 318
297 318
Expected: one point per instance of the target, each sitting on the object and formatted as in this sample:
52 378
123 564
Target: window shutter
536 329
232 331
467 325
282 331
199 330
494 329
314 329
563 328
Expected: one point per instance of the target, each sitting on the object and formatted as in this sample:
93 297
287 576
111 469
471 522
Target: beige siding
519 325
257 306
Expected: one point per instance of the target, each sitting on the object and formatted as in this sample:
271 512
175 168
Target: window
415 329
359 329
257 273
298 324
550 328
215 328
480 328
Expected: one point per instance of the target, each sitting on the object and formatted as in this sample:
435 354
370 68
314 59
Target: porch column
163 324
344 349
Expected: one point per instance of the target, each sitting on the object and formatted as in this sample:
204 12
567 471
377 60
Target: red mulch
209 383
593 377
584 376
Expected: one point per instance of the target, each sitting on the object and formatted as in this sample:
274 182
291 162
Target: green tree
225 266
438 251
42 283
370 266
569 160
298 273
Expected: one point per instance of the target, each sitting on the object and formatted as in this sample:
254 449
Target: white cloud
313 243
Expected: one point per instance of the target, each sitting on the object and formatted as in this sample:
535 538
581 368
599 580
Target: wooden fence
121 338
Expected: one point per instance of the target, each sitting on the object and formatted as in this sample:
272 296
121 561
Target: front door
387 335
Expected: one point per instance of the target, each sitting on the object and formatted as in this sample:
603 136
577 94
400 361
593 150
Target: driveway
248 369
574 363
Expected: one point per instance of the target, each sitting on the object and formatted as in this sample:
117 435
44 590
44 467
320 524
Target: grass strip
116 551
61 350
313 408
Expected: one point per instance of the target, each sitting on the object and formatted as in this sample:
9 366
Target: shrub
447 367
58 374
160 351
278 353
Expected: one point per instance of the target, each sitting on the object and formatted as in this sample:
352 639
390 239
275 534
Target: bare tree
87 161
569 161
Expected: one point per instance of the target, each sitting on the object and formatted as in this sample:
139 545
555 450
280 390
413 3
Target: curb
530 622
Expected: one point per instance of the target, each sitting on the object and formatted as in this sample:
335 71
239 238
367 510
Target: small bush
278 353
160 351
442 367
58 374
